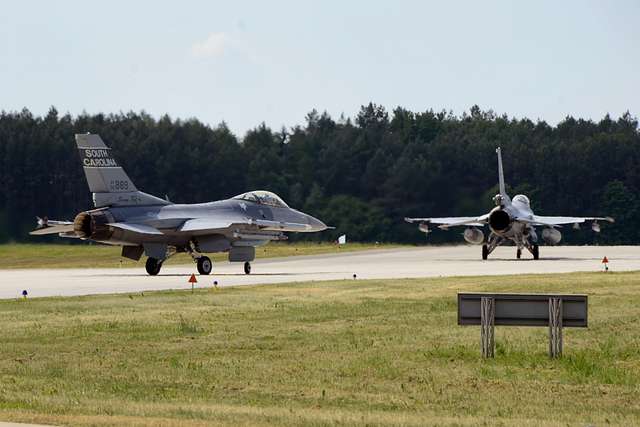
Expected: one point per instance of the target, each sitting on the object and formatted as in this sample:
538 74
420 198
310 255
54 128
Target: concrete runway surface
430 261
7 424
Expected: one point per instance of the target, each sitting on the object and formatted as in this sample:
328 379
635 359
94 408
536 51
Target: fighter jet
509 220
145 224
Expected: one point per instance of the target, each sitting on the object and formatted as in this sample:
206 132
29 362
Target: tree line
361 175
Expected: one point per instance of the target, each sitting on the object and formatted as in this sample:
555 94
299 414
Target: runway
430 261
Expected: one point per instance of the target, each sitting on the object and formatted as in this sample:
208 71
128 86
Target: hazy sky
274 61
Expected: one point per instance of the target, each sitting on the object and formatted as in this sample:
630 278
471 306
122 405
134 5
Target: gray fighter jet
509 220
142 223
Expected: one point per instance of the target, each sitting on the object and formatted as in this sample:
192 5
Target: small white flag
342 240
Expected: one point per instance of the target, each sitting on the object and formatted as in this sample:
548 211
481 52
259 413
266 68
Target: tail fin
109 183
503 191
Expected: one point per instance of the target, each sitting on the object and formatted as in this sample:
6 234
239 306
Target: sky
246 62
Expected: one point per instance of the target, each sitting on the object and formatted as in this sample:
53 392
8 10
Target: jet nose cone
316 224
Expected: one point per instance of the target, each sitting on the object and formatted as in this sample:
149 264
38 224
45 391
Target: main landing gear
153 266
535 251
494 241
247 267
204 265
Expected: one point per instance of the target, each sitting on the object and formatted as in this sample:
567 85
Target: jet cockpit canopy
521 198
262 197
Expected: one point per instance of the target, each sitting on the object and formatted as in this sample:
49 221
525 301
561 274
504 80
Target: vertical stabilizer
109 183
503 191
103 173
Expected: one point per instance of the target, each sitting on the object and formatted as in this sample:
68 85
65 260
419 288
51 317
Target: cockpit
521 198
262 197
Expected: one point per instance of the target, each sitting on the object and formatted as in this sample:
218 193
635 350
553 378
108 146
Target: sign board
523 309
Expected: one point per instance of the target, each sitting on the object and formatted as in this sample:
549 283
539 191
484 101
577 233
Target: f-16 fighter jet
509 220
145 224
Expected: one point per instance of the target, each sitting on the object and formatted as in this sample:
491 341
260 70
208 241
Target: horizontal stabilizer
46 226
52 229
137 228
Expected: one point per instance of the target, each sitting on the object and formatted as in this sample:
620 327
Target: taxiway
429 261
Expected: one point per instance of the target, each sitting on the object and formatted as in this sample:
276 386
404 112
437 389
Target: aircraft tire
536 252
519 253
153 266
204 265
485 252
247 267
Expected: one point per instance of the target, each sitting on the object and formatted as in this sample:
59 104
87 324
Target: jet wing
136 228
446 222
206 224
215 224
561 220
280 225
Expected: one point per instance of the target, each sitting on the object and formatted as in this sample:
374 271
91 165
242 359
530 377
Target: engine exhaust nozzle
499 220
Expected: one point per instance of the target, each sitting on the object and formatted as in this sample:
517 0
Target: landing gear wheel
247 267
485 251
153 266
519 253
204 265
536 252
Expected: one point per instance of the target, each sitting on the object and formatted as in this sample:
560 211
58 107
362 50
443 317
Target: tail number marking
117 185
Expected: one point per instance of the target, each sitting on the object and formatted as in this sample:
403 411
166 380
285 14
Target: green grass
376 352
102 256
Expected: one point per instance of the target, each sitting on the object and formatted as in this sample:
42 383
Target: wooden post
487 320
555 327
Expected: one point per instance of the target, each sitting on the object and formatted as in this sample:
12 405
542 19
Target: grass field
103 256
328 353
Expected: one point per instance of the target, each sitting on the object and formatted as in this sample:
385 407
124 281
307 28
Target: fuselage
93 224
503 219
